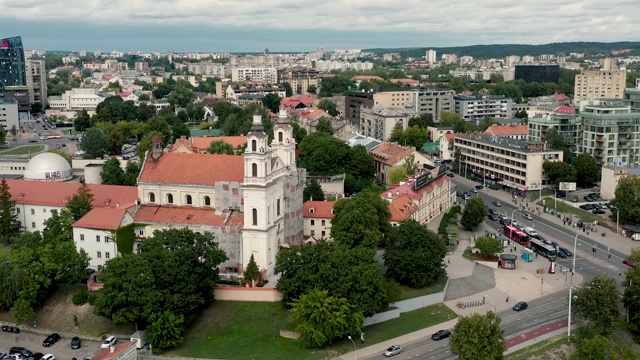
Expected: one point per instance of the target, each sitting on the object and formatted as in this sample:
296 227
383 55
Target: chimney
156 150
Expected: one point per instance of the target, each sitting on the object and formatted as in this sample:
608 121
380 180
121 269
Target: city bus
515 234
543 249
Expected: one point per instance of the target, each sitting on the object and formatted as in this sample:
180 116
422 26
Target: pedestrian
507 299
564 222
448 261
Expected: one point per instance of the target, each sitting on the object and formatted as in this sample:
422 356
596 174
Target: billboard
4 45
422 180
567 186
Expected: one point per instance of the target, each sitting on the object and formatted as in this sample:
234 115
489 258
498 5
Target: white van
108 342
531 231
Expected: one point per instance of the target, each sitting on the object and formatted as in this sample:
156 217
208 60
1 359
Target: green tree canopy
362 220
597 302
323 154
557 141
396 174
596 348
112 173
82 120
414 255
627 200
328 106
95 143
182 94
220 147
272 102
80 203
489 247
631 297
252 272
337 84
324 125
323 317
422 121
165 330
313 191
9 224
558 171
413 136
473 214
586 170
478 337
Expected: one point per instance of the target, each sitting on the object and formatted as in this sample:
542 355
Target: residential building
141 67
436 132
389 155
430 56
476 108
432 101
37 82
207 68
564 120
297 102
449 58
235 91
595 84
632 96
405 82
378 122
538 73
299 78
191 79
511 163
12 63
611 176
200 144
392 98
610 130
9 115
360 78
317 219
353 102
77 99
517 132
264 75
446 146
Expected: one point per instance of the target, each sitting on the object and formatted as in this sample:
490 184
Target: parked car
393 350
48 357
459 193
450 174
604 205
527 216
474 190
629 263
497 203
76 343
521 305
586 207
493 211
598 211
20 350
36 356
493 217
574 199
111 340
587 198
563 252
561 194
441 334
595 195
11 329
479 187
51 339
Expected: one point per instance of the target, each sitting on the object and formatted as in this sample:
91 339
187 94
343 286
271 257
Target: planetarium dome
48 167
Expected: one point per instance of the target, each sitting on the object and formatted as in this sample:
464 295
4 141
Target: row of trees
584 171
113 174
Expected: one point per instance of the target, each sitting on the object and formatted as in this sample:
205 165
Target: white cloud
537 21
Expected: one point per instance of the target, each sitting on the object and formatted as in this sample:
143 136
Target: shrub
229 282
80 297
92 298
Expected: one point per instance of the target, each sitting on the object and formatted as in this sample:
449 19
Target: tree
112 173
323 154
478 337
410 165
272 102
473 214
182 95
597 302
324 126
352 274
557 141
413 136
313 191
596 348
335 85
299 133
159 124
362 220
422 121
396 174
220 147
627 200
586 170
9 224
414 255
80 203
328 106
631 295
82 120
558 171
486 123
165 330
95 142
131 173
311 89
489 247
288 91
324 317
252 272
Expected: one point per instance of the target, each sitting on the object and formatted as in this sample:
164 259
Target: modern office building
37 82
353 101
595 84
12 63
432 101
505 161
538 73
477 107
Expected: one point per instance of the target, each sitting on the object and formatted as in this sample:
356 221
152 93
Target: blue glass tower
12 64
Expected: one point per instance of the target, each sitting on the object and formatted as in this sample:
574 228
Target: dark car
20 350
459 193
493 217
497 203
587 198
441 334
594 196
598 211
561 194
76 343
36 356
51 339
11 329
563 252
479 187
520 306
574 199
505 221
450 174
586 207
493 211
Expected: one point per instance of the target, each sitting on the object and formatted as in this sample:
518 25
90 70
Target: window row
188 199
98 237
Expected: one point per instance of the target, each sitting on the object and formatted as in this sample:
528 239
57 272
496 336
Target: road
547 313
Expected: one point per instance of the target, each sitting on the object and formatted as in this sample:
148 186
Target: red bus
516 234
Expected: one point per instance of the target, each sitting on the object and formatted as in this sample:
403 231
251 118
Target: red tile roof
314 113
450 136
187 215
401 208
192 169
102 218
203 142
560 96
58 193
366 77
407 189
391 153
504 130
566 110
321 209
294 101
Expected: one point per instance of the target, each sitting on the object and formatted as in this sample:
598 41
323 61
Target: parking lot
61 350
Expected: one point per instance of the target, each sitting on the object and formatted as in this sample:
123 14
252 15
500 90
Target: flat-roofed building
596 84
379 122
432 101
478 107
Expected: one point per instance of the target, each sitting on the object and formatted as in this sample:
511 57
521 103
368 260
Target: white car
527 216
108 342
393 350
48 357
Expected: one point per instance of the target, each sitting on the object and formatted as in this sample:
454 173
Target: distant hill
502 50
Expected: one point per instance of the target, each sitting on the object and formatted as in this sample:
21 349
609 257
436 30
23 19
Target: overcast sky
303 25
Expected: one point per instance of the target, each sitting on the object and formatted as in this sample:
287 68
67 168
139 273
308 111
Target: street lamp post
355 353
555 201
617 218
573 270
511 228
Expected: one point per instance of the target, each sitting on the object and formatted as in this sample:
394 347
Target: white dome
48 166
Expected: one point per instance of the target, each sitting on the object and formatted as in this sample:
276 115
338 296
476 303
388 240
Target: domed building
48 167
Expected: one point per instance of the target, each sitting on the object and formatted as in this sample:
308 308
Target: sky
304 25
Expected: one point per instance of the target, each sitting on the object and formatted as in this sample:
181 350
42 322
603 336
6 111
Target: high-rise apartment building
432 101
37 82
267 75
430 56
595 84
478 107
12 64
449 58
299 78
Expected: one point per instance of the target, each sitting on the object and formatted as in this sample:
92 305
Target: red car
629 263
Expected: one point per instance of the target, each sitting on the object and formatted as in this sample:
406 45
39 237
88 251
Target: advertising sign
4 45
567 186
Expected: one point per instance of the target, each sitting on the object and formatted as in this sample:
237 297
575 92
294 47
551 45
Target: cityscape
470 202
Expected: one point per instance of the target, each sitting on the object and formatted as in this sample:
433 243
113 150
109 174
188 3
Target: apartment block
37 82
267 75
379 122
430 56
392 98
595 84
566 124
432 101
449 58
477 107
9 115
299 78
505 161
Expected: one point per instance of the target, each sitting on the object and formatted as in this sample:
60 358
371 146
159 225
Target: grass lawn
5 252
406 292
586 216
24 150
245 330
534 195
